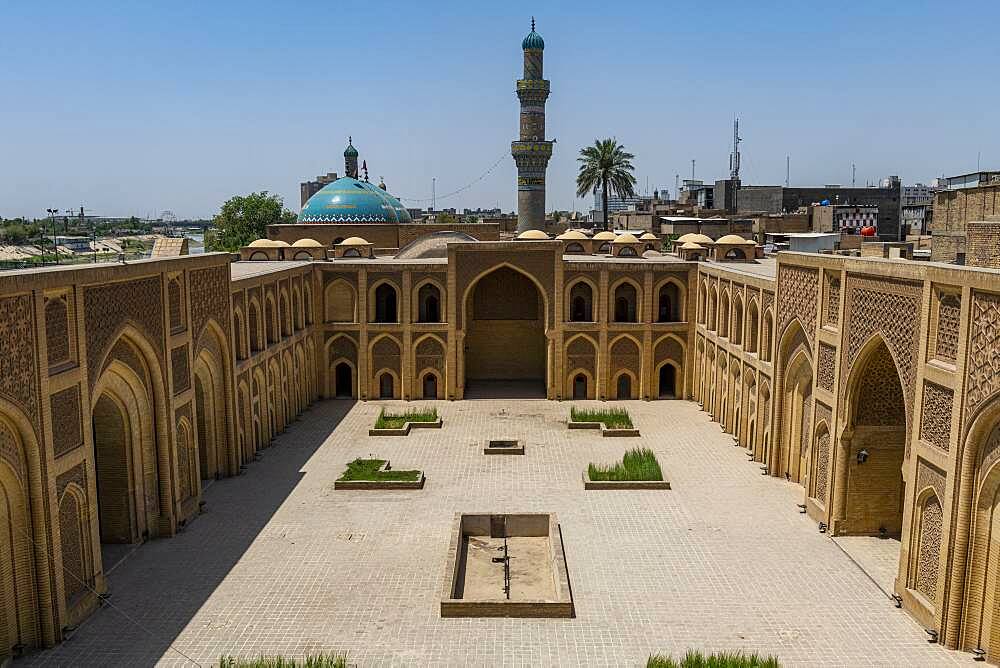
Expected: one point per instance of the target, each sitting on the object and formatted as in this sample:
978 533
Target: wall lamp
862 456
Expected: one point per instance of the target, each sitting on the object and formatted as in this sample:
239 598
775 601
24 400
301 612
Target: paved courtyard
281 563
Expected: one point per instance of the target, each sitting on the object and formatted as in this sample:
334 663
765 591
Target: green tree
605 166
244 218
445 218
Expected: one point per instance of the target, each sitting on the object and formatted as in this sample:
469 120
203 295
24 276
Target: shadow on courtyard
158 589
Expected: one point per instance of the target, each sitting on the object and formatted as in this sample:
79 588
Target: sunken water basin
509 565
506 447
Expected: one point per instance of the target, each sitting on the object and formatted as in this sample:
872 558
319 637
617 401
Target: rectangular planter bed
623 484
503 448
533 582
405 429
604 430
382 484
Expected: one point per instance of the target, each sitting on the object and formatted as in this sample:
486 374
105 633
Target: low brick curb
623 484
405 429
381 484
604 430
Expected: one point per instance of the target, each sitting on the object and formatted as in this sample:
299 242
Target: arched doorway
343 381
430 386
668 382
794 401
505 346
624 386
386 386
580 386
874 445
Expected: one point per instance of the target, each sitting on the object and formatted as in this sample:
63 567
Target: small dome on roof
701 239
282 244
262 243
353 241
626 238
572 234
732 239
649 236
690 245
686 237
652 253
307 243
604 236
533 234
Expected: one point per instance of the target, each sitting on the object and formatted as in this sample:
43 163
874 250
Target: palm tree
605 165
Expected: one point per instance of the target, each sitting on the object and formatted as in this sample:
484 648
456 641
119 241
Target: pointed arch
340 301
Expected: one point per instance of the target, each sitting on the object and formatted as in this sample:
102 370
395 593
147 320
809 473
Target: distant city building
972 180
918 194
778 199
843 218
309 188
956 208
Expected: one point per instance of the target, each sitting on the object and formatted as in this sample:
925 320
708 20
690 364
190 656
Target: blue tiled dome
348 200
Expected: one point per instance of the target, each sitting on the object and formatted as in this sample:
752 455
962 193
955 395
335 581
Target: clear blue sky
134 108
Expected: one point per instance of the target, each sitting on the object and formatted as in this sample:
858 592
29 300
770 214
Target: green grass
638 464
718 660
367 469
613 418
397 420
318 661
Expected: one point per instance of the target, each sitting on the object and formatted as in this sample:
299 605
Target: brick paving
281 563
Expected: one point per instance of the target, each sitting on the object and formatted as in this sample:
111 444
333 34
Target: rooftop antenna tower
788 169
433 194
854 173
734 163
692 169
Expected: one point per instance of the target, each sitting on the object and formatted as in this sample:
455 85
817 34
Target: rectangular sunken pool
507 447
506 565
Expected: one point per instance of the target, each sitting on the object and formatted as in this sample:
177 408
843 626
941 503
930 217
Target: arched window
385 303
284 317
270 324
753 322
625 303
574 248
736 254
253 318
765 339
352 252
737 321
668 304
724 314
627 251
604 247
429 300
581 302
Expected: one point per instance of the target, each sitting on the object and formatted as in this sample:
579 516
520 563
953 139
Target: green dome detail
533 40
350 151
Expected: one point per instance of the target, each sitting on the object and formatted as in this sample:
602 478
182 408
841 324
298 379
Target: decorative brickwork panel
990 451
832 302
537 263
822 465
11 452
57 330
880 398
929 548
344 347
581 353
74 527
625 355
67 428
175 298
429 355
385 354
948 317
767 302
826 366
125 353
668 349
824 414
109 307
892 310
210 294
180 369
931 476
983 376
17 363
799 288
935 418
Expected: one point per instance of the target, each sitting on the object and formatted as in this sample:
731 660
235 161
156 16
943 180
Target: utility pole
52 217
788 169
433 194
854 173
692 169
677 187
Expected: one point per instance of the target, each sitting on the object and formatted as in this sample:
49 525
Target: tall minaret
531 152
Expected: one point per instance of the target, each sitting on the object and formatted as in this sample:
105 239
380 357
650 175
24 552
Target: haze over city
134 110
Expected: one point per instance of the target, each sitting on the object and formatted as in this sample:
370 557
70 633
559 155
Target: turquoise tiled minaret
531 151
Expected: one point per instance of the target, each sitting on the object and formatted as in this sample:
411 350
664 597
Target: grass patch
368 469
638 464
318 661
613 418
398 420
717 660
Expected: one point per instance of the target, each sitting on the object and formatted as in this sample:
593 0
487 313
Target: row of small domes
626 238
304 243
